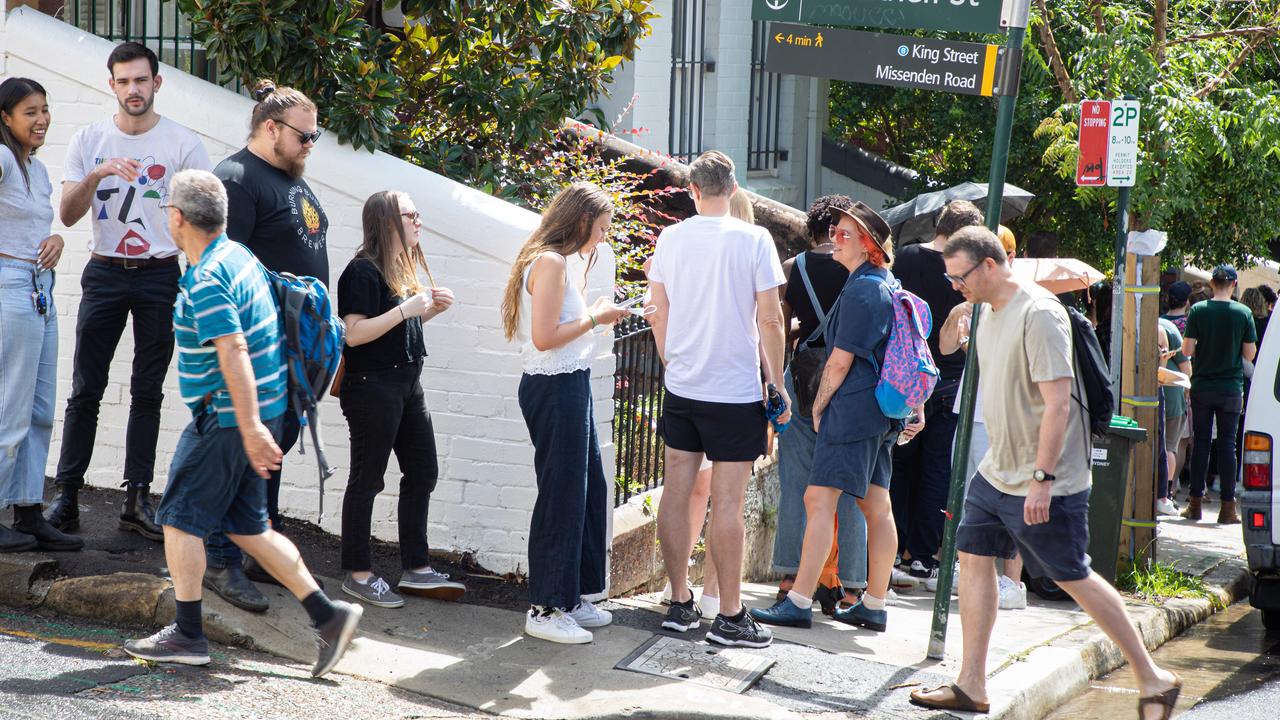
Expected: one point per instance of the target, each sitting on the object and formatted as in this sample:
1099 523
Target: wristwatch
1042 476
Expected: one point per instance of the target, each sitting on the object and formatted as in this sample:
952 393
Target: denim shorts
853 467
993 526
211 486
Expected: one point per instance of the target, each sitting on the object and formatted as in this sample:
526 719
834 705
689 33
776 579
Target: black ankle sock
742 614
319 607
190 622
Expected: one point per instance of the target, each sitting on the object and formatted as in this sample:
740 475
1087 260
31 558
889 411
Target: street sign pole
1117 278
1015 14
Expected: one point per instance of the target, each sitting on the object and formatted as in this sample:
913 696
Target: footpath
475 655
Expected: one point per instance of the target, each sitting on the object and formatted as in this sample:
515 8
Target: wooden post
1139 400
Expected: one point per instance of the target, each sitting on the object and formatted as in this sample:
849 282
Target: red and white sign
1095 137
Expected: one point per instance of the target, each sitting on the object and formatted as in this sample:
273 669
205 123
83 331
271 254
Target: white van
1260 495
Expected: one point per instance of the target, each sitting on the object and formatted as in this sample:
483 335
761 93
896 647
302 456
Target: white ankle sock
872 602
799 600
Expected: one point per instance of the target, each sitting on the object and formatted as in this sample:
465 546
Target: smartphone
631 302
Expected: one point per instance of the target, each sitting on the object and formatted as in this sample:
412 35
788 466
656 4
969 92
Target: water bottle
912 419
774 407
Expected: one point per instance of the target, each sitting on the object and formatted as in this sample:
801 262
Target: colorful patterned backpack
909 374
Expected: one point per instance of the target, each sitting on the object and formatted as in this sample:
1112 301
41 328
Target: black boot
137 515
28 520
64 512
12 541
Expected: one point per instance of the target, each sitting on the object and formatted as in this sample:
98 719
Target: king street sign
880 59
981 16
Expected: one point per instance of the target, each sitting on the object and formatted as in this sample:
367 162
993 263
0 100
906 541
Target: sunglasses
303 137
959 279
835 233
414 216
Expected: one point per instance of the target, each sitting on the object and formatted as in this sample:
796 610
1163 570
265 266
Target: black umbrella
914 220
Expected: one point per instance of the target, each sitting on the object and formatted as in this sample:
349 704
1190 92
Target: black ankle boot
12 541
137 515
28 520
64 512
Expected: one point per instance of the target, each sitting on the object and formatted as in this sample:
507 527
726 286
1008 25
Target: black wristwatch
1042 476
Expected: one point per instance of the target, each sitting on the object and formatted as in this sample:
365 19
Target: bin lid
1126 427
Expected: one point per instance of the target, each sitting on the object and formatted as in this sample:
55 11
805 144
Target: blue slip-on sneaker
784 612
863 616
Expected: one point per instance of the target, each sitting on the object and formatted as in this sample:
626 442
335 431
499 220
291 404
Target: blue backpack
311 337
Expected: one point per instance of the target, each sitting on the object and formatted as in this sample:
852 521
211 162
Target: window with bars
688 72
766 104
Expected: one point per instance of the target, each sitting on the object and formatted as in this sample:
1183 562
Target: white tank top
577 354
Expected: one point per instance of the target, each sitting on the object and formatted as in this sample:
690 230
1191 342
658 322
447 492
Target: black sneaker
743 632
170 645
336 635
682 616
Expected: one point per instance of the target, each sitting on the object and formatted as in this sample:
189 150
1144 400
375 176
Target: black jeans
220 552
386 412
922 478
111 293
1208 407
567 535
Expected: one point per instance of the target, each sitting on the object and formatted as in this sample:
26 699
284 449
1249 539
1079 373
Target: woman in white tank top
545 307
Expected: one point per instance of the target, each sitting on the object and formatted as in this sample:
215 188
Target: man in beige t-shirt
1031 492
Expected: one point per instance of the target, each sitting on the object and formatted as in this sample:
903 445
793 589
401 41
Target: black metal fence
637 404
763 124
689 65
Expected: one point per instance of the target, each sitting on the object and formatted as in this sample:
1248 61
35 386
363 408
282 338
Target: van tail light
1257 461
1257 520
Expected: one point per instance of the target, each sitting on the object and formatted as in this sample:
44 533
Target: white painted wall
834 183
486 490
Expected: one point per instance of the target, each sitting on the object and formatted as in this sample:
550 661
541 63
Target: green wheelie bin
1111 457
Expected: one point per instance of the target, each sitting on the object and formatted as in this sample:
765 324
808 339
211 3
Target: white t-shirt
711 269
127 217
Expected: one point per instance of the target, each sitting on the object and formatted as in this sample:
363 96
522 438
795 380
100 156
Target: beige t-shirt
1028 342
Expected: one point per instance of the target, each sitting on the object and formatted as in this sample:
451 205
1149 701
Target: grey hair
978 242
200 196
712 172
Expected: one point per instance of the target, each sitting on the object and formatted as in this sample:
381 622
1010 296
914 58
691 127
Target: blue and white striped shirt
227 292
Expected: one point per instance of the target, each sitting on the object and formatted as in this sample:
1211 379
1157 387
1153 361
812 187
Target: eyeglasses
834 232
959 279
303 137
38 296
414 216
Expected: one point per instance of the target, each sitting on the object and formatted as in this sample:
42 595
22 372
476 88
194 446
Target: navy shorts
854 466
993 526
211 486
724 432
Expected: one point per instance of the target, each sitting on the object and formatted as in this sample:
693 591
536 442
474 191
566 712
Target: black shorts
992 526
725 432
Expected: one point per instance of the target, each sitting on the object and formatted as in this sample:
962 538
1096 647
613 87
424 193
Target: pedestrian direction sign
1095 124
980 16
883 59
1122 145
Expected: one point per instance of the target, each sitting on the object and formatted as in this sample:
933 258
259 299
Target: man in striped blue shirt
231 375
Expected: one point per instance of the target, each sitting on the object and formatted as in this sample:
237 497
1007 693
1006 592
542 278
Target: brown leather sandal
959 700
1166 699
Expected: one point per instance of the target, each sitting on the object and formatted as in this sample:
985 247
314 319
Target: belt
136 263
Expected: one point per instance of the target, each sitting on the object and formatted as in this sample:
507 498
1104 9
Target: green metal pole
968 389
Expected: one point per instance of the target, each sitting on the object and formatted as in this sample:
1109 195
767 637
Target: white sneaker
1013 595
556 626
1165 506
590 616
932 583
666 593
710 607
891 598
900 579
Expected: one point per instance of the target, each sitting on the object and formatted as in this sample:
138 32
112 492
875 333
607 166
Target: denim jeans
220 552
795 458
922 479
386 412
28 381
568 532
1209 407
110 294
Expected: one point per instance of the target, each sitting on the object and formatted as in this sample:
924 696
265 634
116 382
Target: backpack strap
823 317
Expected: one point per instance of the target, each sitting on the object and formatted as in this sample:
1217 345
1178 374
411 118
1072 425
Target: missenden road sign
982 16
882 59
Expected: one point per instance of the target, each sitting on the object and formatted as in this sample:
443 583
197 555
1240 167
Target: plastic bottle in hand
912 419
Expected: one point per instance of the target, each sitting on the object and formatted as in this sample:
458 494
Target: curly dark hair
820 215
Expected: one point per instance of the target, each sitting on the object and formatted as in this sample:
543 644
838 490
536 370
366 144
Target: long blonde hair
382 227
565 229
740 207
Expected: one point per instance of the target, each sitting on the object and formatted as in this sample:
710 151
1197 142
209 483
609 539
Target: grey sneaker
375 592
430 584
336 635
170 645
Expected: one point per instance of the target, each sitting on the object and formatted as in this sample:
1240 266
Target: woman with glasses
28 320
384 304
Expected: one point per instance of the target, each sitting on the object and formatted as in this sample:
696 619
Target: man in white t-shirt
714 283
118 171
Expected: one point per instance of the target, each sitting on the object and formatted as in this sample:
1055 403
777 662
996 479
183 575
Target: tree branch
1244 54
1160 23
1096 11
1263 30
1055 57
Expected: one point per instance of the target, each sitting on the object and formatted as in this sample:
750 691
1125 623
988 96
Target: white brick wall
486 490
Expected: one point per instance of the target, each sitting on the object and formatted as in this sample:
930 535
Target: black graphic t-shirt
275 216
362 291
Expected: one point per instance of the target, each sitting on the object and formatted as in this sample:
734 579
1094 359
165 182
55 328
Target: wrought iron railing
637 402
689 65
763 116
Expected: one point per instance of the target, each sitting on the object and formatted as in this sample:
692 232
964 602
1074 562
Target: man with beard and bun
119 169
273 212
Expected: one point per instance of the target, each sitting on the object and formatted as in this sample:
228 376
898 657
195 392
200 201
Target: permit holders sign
1108 143
882 59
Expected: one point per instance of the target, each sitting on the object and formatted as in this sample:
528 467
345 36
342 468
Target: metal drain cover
721 668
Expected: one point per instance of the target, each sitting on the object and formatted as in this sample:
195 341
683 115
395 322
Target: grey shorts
1173 431
854 466
992 526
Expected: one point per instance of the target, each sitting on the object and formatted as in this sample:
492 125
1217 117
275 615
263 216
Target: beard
147 102
292 165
